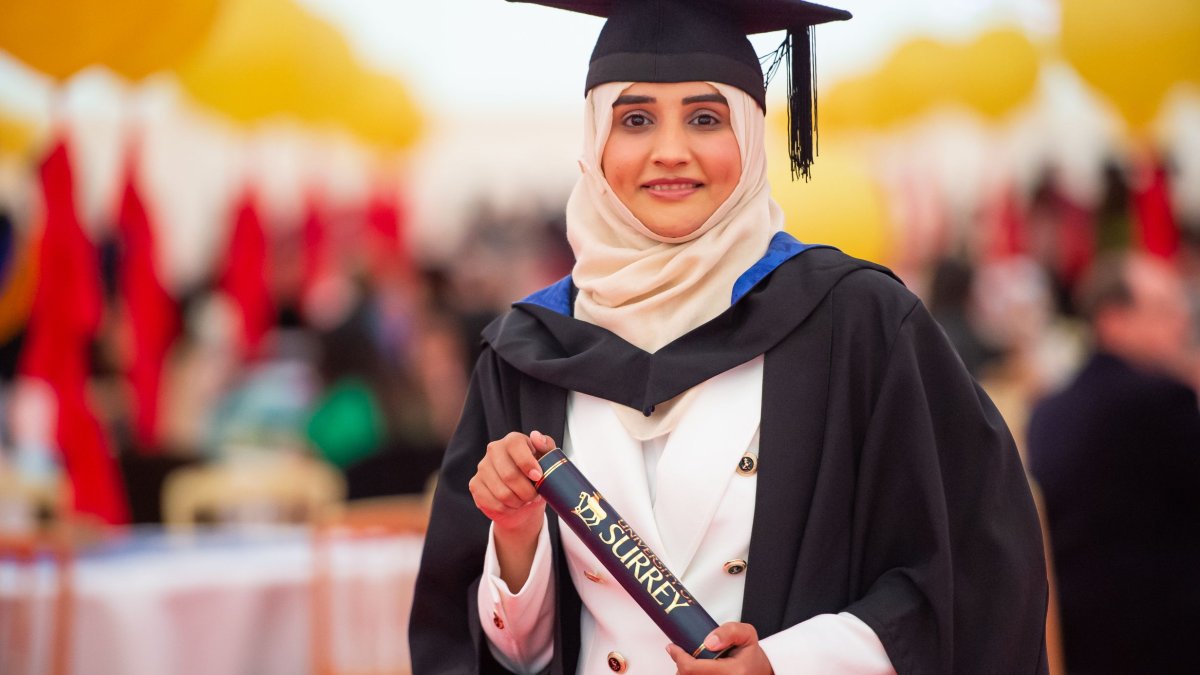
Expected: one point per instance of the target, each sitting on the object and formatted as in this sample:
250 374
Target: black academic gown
888 484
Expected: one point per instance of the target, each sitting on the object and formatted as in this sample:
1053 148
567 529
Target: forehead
1151 278
668 91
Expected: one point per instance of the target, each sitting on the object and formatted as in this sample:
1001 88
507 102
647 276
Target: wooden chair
36 555
260 489
365 561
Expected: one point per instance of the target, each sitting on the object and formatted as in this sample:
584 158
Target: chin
673 230
678 226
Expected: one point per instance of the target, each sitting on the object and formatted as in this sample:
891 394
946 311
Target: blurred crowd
227 256
1082 324
322 338
329 337
1014 307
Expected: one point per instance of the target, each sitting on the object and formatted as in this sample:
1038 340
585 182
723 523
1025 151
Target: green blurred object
346 425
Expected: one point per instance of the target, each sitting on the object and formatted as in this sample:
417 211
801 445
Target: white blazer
694 508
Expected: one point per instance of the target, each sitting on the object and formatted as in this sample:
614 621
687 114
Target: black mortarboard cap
705 40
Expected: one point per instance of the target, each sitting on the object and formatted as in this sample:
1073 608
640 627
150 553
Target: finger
520 458
541 443
493 508
505 458
485 501
506 463
685 664
731 634
683 660
500 489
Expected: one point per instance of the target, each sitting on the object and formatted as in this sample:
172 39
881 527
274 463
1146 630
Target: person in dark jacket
1117 456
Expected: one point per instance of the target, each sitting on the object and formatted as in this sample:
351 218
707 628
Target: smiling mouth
662 186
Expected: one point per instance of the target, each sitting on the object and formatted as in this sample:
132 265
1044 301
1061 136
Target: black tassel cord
798 51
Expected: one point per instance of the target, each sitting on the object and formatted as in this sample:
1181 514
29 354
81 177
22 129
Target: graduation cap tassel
802 102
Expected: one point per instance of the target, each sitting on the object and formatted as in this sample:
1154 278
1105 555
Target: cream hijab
650 289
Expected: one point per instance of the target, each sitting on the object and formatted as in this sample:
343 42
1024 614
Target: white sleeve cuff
519 626
839 643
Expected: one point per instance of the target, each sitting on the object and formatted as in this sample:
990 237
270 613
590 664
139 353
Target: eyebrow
706 98
632 99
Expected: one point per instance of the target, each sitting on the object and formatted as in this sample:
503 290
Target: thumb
731 634
541 442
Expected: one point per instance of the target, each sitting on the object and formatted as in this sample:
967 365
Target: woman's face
671 156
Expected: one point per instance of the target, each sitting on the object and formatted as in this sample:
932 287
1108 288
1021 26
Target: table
213 602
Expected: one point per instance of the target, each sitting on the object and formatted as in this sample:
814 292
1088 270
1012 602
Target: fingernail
535 474
712 642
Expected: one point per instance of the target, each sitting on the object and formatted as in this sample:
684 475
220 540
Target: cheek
619 162
723 161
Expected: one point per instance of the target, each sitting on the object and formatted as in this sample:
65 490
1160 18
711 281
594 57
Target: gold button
593 576
748 464
616 662
735 566
497 620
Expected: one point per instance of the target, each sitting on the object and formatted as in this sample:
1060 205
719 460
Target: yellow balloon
1133 52
381 111
918 75
269 58
998 72
134 37
165 35
843 205
990 75
266 58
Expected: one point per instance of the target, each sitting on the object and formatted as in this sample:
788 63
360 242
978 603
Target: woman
784 425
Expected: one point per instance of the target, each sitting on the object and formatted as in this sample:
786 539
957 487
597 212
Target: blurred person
950 302
504 256
346 423
1039 348
1189 266
200 367
423 397
1114 229
438 365
1117 456
392 383
267 403
1062 232
787 426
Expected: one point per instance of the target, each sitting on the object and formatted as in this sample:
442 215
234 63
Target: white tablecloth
222 603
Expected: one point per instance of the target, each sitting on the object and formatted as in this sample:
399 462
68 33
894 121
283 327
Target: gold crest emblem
589 509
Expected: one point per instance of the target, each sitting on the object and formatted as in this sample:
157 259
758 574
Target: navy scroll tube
625 555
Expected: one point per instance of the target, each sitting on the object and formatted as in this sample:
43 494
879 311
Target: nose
671 148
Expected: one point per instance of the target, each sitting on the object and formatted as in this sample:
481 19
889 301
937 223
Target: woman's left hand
746 657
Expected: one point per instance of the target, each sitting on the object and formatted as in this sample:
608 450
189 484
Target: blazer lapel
701 457
613 462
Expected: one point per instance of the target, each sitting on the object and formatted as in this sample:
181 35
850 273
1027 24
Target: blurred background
247 246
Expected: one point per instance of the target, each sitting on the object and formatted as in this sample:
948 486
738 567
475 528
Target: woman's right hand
503 490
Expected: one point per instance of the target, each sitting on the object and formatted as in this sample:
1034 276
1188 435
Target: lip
672 189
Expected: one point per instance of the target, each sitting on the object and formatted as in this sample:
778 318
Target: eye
635 120
705 118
